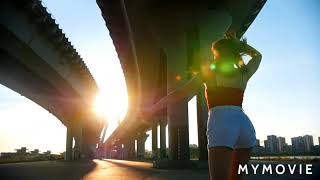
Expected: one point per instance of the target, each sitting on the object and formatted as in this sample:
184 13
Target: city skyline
282 97
260 141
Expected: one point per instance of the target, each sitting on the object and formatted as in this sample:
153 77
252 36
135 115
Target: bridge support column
177 113
88 150
69 141
179 51
202 117
78 135
129 149
178 132
155 141
142 137
163 151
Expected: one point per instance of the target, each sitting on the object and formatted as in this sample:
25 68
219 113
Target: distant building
22 151
298 144
257 142
6 155
34 152
257 149
47 153
316 149
308 142
266 145
273 143
319 141
288 149
282 144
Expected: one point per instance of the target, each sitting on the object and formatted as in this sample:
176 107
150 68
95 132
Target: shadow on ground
47 170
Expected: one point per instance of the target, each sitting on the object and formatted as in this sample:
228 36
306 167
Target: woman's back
223 89
238 81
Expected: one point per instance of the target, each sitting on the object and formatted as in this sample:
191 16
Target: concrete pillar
69 141
88 150
155 141
129 149
194 59
202 117
77 152
141 139
178 132
177 113
163 153
108 152
118 148
174 41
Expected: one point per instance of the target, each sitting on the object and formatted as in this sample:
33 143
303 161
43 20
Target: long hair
228 57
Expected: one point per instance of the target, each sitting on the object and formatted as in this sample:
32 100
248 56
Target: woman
230 132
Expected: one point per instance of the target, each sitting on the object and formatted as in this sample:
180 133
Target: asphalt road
126 170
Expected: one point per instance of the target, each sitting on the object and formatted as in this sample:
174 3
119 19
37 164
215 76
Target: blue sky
282 98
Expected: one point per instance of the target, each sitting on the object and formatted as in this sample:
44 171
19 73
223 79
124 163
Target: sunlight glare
112 106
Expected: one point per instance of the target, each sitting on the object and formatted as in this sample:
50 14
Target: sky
281 98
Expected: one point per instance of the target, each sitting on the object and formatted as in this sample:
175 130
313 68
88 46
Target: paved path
110 170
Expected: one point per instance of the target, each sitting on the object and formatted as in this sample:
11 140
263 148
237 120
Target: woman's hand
244 47
251 51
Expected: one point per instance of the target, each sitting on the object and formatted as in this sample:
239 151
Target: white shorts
229 126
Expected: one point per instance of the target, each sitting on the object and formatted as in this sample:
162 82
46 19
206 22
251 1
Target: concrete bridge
160 45
38 61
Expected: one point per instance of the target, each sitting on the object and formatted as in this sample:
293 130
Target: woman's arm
182 92
255 61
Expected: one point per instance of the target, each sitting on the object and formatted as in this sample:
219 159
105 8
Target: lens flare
227 68
178 77
212 66
109 106
99 106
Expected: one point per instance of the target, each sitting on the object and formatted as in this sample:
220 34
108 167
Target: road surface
118 170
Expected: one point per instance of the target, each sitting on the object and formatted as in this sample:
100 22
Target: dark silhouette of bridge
38 61
158 41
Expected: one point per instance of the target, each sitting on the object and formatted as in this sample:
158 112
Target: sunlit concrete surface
96 169
116 169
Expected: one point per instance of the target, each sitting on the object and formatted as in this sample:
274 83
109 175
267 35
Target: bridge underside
160 44
38 62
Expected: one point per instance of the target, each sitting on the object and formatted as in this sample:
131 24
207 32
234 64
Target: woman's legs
220 163
228 127
224 162
239 156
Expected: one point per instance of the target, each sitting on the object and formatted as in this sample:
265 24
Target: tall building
257 142
282 143
258 149
298 144
273 143
266 146
308 142
319 141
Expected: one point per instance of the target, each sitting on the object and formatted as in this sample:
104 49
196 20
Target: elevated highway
160 44
38 61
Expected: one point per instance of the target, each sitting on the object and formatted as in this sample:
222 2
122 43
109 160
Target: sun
99 106
110 106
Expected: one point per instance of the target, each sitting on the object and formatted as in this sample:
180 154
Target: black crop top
222 96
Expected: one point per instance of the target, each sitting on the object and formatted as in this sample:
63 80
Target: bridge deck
112 169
